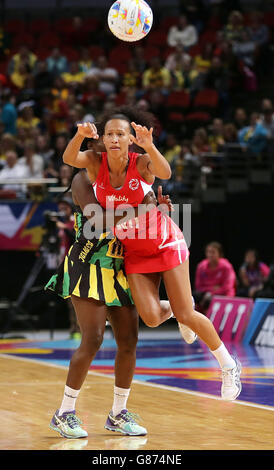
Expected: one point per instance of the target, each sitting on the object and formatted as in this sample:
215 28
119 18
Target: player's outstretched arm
157 164
72 155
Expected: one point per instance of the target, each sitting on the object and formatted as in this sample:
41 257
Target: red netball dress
152 241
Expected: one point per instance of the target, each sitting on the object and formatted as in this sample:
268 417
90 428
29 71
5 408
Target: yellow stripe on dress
76 290
93 290
108 285
121 278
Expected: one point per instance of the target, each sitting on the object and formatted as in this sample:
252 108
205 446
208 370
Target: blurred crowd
215 275
51 81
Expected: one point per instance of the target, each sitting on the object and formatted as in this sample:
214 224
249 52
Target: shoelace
228 376
73 421
131 417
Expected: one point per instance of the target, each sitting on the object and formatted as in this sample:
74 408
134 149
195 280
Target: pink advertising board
230 316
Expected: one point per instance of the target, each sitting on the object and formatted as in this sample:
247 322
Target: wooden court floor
30 392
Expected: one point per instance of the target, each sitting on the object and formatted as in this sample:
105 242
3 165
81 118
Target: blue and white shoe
68 425
231 386
124 423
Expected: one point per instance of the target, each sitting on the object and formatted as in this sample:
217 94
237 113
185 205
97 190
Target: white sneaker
187 334
231 386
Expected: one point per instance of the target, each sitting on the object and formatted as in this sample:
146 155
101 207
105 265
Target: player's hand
143 137
165 200
88 130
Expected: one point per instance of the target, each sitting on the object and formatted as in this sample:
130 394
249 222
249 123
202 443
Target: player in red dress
122 179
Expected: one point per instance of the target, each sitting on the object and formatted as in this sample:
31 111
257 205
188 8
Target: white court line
147 384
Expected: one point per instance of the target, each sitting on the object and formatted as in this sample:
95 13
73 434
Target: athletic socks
119 400
69 400
223 357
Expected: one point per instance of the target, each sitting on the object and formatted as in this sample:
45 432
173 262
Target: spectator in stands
138 55
252 274
59 88
200 143
214 276
230 133
156 76
43 78
193 80
183 33
245 49
23 57
27 118
64 176
267 290
55 111
268 122
184 157
253 137
73 76
240 118
7 142
31 162
12 170
234 27
92 98
217 78
56 62
266 105
203 60
61 141
9 113
85 61
132 77
19 76
186 152
107 76
21 137
224 50
171 147
216 136
175 60
258 31
44 148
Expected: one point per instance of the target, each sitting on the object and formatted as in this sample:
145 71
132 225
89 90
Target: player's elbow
166 174
66 159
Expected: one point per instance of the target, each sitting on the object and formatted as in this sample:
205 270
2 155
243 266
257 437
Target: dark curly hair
129 114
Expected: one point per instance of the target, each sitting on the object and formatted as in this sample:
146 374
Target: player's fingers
160 191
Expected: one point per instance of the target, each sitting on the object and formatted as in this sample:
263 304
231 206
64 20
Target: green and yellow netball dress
92 268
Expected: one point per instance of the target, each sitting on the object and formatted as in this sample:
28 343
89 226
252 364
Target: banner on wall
21 224
260 331
230 316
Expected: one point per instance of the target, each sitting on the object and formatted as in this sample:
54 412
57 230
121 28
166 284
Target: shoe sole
127 433
54 428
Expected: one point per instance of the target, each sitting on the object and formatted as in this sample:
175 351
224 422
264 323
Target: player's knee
91 343
151 315
128 342
152 321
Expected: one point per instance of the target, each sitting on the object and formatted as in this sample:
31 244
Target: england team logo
134 184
